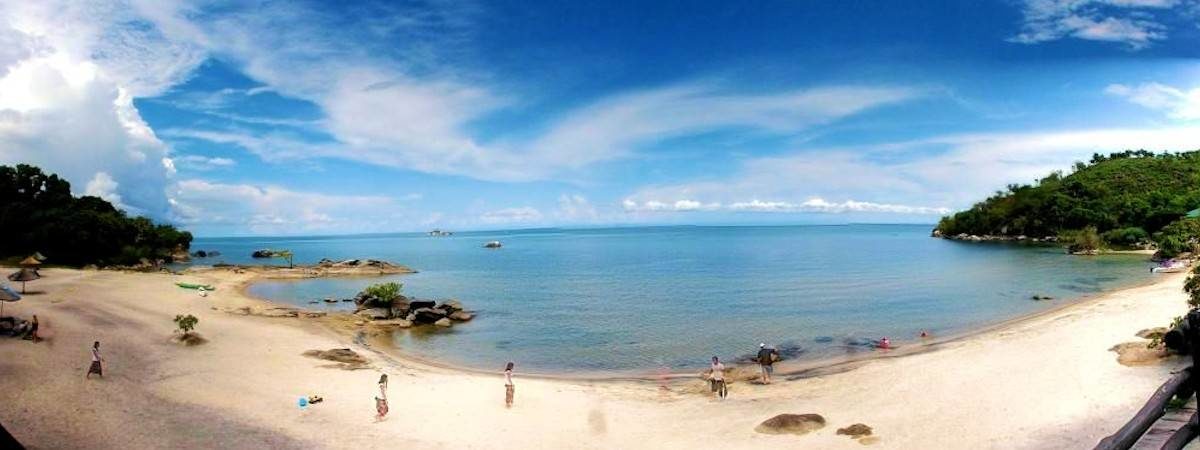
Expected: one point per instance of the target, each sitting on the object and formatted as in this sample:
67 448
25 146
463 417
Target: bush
1177 237
186 323
384 293
1128 236
1086 240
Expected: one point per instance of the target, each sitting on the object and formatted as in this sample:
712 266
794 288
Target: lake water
638 299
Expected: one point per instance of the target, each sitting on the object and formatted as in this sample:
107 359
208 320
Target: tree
1086 241
286 255
186 323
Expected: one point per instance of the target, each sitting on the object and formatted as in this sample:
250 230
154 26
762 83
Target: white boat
493 244
1170 266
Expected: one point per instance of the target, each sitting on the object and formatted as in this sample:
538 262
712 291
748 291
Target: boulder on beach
1139 353
855 431
443 322
347 359
791 424
1152 333
376 313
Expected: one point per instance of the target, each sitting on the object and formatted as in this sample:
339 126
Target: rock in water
791 423
855 431
418 304
1152 333
428 315
461 316
443 322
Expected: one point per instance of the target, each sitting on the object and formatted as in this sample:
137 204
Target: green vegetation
186 323
1128 198
286 255
39 214
1085 241
383 294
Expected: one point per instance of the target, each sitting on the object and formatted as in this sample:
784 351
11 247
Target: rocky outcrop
410 311
855 431
376 313
443 322
429 315
991 237
264 253
791 424
344 357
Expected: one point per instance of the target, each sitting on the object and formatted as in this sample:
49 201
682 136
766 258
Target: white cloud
202 163
1177 103
916 177
103 186
1132 22
524 214
69 117
218 208
576 208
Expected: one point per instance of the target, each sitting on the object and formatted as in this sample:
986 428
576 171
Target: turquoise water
638 299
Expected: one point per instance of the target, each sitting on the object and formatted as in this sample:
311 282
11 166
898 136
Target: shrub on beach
1085 241
383 294
186 323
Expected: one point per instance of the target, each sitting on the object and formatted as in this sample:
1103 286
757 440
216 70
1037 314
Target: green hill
39 214
1128 198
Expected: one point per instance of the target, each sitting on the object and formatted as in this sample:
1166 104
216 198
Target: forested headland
1123 200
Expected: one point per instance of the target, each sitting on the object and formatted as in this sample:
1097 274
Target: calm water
635 299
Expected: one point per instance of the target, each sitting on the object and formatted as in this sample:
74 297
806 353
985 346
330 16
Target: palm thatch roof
31 261
24 275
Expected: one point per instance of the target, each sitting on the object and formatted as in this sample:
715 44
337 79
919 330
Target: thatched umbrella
31 261
7 295
24 275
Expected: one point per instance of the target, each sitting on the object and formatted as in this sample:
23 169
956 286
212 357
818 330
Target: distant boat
1170 266
440 233
493 244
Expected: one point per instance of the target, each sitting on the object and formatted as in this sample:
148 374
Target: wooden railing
1181 384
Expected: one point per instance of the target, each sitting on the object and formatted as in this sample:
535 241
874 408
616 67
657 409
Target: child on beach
716 377
508 385
96 359
33 330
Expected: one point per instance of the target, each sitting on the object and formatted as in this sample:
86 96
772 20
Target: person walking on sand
96 360
766 358
381 402
508 385
33 330
716 377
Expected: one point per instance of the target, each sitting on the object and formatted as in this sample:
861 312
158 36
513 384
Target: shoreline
239 389
797 369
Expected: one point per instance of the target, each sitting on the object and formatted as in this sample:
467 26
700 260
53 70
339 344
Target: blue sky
277 118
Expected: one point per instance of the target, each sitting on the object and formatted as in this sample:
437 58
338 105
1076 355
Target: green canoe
207 287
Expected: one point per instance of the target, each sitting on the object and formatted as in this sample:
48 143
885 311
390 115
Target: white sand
1045 382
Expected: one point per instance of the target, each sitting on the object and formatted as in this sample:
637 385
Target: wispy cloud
523 214
202 163
1177 103
1135 23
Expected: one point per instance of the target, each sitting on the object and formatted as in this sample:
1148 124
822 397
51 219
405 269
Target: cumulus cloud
1177 103
812 205
219 208
1135 23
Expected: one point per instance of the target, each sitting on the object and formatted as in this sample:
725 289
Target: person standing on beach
716 377
766 358
96 360
381 403
508 385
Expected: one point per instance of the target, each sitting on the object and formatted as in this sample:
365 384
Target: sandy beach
1048 381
